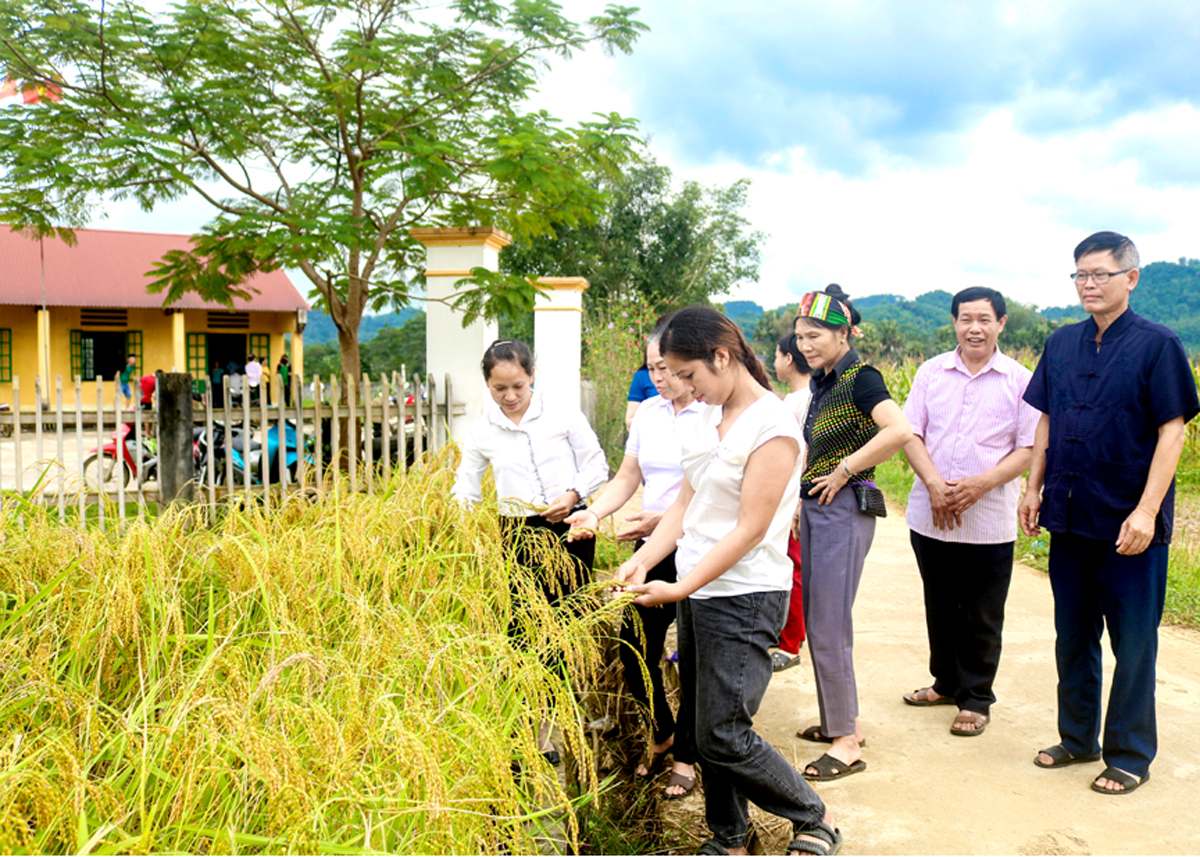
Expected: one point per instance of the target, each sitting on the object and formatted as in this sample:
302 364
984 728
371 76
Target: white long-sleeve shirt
551 451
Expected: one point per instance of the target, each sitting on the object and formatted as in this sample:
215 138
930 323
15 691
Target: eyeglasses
1100 277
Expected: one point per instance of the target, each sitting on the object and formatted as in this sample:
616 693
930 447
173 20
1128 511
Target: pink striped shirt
969 424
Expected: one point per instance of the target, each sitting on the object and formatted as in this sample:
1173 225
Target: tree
668 248
772 326
319 131
393 349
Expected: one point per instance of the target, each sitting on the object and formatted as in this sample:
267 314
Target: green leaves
494 295
649 242
319 132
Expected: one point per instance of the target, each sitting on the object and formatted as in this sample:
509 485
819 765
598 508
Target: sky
901 146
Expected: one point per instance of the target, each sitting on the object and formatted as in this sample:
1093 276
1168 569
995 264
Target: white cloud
1007 216
995 195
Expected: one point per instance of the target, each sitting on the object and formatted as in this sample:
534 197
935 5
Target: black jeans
647 648
523 536
966 586
724 660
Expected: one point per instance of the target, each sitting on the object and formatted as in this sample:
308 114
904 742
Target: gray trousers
834 541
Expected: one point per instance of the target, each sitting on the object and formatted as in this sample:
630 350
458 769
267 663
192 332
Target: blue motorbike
248 455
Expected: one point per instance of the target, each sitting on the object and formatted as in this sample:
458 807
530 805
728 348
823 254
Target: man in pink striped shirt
973 435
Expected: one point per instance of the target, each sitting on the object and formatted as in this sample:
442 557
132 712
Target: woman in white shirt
652 460
731 521
792 369
546 461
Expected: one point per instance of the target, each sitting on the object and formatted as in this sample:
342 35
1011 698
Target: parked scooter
104 468
248 455
116 462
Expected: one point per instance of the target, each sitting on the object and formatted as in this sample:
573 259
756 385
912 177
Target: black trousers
647 648
527 537
966 586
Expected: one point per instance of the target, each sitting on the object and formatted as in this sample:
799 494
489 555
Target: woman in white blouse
546 461
731 521
653 460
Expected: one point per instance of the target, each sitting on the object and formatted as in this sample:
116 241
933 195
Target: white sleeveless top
715 469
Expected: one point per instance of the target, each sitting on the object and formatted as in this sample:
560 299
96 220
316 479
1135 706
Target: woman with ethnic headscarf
852 426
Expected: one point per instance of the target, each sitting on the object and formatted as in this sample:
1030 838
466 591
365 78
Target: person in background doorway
1116 393
972 439
284 371
653 462
253 378
546 462
217 378
792 369
126 379
641 388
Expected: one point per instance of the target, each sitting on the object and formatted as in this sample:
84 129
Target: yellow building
80 311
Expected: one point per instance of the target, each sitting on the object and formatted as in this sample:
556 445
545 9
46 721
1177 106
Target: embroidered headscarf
827 308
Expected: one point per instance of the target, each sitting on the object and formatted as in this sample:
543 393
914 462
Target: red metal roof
108 269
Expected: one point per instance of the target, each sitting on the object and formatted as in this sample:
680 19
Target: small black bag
870 499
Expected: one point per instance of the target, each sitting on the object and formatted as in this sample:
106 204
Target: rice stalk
325 677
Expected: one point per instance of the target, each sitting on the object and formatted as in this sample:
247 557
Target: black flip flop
829 768
1062 758
1130 782
814 734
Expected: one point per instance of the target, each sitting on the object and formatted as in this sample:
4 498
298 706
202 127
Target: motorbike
248 455
104 468
116 462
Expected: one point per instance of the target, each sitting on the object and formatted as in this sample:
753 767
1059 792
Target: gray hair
1124 252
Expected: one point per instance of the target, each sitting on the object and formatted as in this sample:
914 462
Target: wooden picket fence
56 456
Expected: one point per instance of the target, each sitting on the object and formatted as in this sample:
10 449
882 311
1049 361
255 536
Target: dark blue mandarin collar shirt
1105 405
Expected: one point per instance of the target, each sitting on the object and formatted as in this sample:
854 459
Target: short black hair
979 293
1122 248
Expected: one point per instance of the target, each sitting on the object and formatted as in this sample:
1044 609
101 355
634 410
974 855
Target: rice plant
331 677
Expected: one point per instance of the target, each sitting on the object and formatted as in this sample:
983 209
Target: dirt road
928 792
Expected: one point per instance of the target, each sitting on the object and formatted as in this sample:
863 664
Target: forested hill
1168 292
320 327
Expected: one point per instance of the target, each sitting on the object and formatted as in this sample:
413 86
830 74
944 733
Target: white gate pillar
558 334
450 254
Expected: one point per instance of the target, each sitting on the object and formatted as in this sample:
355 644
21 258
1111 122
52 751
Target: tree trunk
350 433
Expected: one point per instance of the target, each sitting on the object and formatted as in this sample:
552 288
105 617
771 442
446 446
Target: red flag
31 94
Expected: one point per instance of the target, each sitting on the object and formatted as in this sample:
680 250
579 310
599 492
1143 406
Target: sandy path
928 792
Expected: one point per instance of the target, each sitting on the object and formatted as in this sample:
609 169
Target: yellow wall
23 323
159 348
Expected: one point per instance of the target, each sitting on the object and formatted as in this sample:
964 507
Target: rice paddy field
328 677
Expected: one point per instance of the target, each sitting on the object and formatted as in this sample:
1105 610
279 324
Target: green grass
895 478
1183 586
1183 579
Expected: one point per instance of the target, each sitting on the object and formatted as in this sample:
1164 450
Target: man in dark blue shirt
1115 393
